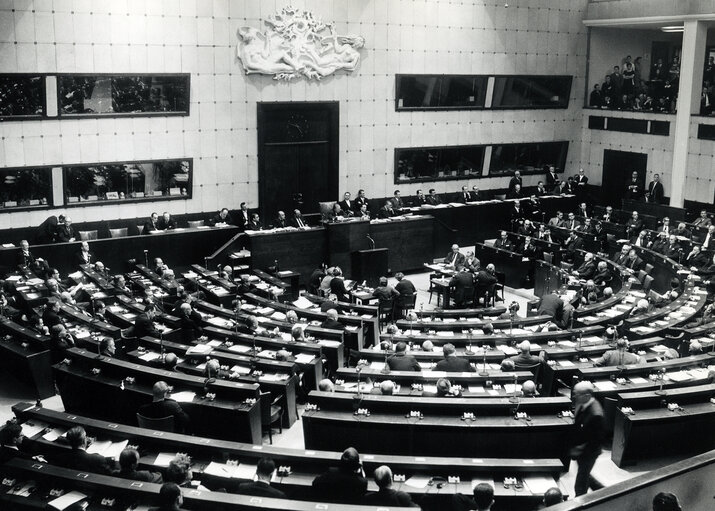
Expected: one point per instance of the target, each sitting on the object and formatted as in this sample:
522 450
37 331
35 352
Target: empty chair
647 282
122 232
499 286
160 424
271 412
195 223
648 268
140 229
88 235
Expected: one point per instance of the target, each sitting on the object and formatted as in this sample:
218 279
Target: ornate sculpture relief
296 44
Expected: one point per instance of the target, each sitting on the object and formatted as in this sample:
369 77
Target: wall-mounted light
672 29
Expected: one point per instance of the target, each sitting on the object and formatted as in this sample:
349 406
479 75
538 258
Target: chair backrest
265 407
535 369
407 301
160 424
641 275
119 233
386 305
549 257
88 235
195 223
647 282
649 268
566 266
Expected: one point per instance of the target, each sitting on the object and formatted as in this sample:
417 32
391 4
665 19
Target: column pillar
690 86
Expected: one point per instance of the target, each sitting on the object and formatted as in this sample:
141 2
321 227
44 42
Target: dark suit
455 259
386 213
332 325
587 270
190 326
634 227
453 364
655 192
513 194
280 222
348 208
83 258
141 475
531 251
434 200
244 218
164 225
218 220
388 497
463 284
572 246
296 222
513 182
633 190
634 264
79 459
603 278
421 200
149 226
337 286
465 197
504 244
551 305
540 192
336 485
397 203
589 424
359 201
484 278
405 287
143 326
254 226
65 233
552 182
165 408
260 489
699 261
402 362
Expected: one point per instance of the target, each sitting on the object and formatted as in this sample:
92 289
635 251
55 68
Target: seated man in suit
397 202
471 263
703 220
363 213
486 276
463 285
261 487
622 256
151 224
128 468
528 249
572 223
387 211
190 321
433 199
166 222
483 499
170 498
65 232
526 228
634 227
84 256
452 363
618 357
222 218
331 321
525 358
454 258
336 214
144 323
384 291
404 286
608 216
361 199
683 231
420 199
696 259
586 227
603 276
464 195
280 221
476 194
634 262
11 442
78 458
347 205
572 244
107 347
25 259
163 406
504 242
297 221
515 193
345 483
331 302
337 285
540 189
386 495
588 269
558 220
255 223
401 361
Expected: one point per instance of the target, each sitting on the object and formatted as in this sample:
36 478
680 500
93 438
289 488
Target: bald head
387 387
582 392
525 347
528 388
326 385
332 314
159 390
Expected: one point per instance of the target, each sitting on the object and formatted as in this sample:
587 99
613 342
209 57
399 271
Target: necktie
300 222
706 244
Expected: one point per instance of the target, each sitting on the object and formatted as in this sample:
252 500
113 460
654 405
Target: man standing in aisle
655 190
589 423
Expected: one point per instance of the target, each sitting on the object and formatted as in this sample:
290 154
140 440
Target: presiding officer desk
233 415
305 464
175 247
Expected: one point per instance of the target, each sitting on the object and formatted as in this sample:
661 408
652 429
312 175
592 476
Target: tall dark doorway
297 154
617 169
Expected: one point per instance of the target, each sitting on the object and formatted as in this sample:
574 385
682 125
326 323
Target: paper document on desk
274 377
509 388
220 322
32 428
99 446
328 343
239 348
183 397
278 316
303 303
539 485
240 369
565 363
114 450
638 380
66 500
223 470
476 389
350 328
377 365
508 350
304 358
54 434
199 349
149 356
679 376
605 385
164 458
445 333
429 388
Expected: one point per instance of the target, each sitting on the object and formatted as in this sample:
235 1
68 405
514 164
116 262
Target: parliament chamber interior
357 254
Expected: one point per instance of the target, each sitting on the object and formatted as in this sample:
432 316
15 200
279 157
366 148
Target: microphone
372 241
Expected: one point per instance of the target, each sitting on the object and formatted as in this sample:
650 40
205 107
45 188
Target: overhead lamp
672 28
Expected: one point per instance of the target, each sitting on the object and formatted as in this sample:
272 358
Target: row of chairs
488 294
123 232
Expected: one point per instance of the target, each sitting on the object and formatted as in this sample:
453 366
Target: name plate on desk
72 199
156 193
10 204
34 202
92 197
138 194
112 195
175 191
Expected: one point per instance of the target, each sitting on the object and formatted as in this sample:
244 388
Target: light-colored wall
198 36
700 176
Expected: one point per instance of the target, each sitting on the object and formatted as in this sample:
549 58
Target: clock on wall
296 127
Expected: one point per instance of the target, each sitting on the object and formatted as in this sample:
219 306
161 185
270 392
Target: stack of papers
304 358
539 485
66 500
229 471
32 428
164 458
107 448
303 303
183 397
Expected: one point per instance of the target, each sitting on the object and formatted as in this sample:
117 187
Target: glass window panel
527 158
22 96
440 91
25 188
123 181
531 91
438 163
123 94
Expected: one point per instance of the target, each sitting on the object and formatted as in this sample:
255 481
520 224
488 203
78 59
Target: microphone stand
469 351
386 367
514 398
146 259
484 361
